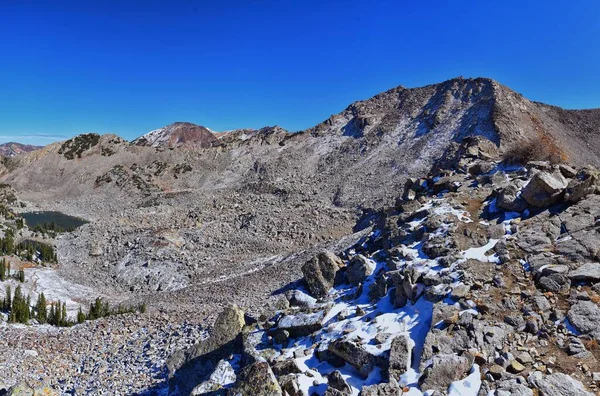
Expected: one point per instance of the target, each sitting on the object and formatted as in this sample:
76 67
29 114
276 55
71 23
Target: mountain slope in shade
12 149
178 134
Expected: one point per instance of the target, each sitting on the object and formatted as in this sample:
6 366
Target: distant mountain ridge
12 149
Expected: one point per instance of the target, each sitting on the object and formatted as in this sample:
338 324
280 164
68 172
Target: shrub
542 149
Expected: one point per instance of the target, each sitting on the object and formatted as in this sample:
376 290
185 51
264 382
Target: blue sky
126 67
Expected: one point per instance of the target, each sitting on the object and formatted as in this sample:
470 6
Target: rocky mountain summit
435 239
179 134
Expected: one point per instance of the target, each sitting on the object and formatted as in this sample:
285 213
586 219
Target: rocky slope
189 220
454 291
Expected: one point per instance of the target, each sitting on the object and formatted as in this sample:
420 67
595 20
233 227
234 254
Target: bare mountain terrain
188 220
11 149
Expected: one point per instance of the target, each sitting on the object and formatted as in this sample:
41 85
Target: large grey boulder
558 384
509 199
190 367
585 317
358 269
400 356
256 379
301 324
589 272
336 381
355 355
544 189
391 388
444 370
407 286
319 273
555 283
512 388
579 188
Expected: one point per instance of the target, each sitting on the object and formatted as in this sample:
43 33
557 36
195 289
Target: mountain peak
178 134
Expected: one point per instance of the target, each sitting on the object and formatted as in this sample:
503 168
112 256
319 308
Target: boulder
190 367
512 387
567 171
358 269
289 385
557 384
298 298
391 388
509 199
444 370
555 283
319 273
301 324
285 367
579 188
378 288
544 189
400 356
585 317
336 381
256 379
406 285
479 147
589 272
355 355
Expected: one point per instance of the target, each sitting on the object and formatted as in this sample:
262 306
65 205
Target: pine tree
51 315
64 315
8 270
21 276
42 312
8 303
80 316
3 270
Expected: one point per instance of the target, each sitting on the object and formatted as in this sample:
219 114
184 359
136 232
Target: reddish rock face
179 134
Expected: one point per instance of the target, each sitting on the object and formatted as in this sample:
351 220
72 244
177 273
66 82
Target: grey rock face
355 355
579 189
188 368
391 388
319 273
509 199
558 384
444 370
585 317
358 270
400 356
556 283
301 324
336 381
544 189
589 272
256 380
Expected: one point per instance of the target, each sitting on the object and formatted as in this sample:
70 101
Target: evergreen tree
42 312
3 270
80 316
8 299
51 314
21 276
63 317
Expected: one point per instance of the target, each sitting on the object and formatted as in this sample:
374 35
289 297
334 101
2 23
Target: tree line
20 310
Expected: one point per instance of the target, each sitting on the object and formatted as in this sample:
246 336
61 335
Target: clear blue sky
127 67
